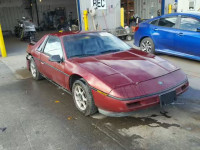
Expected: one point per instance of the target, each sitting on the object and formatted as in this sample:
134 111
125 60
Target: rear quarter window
154 22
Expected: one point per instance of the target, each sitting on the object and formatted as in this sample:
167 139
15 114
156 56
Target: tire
34 71
147 45
128 37
83 98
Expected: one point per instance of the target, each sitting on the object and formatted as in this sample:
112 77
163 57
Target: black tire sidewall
152 43
90 106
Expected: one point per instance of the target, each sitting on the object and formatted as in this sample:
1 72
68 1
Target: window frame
188 16
156 24
42 45
176 24
46 40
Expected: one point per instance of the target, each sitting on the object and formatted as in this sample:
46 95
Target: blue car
174 34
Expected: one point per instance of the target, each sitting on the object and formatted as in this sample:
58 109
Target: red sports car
104 73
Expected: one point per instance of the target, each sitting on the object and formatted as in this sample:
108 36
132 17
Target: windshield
92 44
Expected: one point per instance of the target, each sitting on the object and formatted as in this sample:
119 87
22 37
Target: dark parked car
103 72
175 34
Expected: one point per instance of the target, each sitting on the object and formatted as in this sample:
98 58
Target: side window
53 47
40 48
190 24
154 22
169 22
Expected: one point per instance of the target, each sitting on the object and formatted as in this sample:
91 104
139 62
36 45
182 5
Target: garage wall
183 5
147 8
50 5
10 10
172 2
111 13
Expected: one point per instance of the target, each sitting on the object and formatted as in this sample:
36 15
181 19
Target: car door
188 36
163 34
37 53
53 70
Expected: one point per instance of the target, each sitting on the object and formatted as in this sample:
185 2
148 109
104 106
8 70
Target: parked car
174 34
102 72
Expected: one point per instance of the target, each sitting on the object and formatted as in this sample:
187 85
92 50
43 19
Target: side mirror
55 58
198 29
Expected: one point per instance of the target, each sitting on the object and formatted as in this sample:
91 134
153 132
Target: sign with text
100 4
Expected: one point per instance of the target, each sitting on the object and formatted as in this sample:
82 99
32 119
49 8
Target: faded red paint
124 75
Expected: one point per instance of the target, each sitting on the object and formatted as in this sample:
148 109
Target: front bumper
108 104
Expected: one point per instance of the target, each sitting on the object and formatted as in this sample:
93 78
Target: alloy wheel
80 97
146 46
33 69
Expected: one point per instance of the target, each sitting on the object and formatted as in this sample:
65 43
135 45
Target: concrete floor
39 116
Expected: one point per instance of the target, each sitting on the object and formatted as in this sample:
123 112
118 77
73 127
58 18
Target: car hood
126 67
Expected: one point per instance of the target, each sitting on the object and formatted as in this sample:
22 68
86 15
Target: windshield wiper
110 51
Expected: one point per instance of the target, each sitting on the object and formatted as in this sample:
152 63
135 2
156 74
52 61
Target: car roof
66 33
194 14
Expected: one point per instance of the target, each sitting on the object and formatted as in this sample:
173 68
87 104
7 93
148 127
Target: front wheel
147 45
34 71
83 98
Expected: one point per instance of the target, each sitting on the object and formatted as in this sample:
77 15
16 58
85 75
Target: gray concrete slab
40 116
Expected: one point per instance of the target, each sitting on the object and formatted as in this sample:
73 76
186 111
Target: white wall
183 5
167 2
111 13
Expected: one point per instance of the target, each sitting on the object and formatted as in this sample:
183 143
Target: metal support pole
163 7
79 14
36 7
122 17
169 8
85 17
2 44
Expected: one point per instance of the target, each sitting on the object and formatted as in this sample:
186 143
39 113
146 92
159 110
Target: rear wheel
83 99
34 71
128 37
147 45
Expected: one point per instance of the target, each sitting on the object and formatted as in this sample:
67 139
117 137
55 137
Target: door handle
42 63
180 34
155 29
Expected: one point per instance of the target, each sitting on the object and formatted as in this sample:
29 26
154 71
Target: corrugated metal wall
10 10
147 8
111 13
